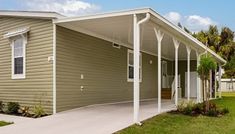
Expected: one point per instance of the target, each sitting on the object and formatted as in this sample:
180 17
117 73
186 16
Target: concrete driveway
98 119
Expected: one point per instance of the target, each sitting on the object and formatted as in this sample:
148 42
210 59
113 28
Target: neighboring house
227 85
69 62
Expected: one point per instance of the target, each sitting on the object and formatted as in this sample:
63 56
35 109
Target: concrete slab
14 119
100 119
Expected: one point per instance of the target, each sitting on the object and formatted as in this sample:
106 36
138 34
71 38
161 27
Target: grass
228 94
3 123
181 124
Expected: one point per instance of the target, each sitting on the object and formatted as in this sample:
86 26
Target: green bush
192 109
181 106
198 108
1 106
12 107
186 107
212 106
188 110
213 113
225 111
38 111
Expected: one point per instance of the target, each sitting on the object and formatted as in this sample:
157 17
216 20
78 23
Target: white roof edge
31 14
140 11
103 15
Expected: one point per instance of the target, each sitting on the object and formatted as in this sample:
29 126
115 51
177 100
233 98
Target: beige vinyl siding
104 69
37 87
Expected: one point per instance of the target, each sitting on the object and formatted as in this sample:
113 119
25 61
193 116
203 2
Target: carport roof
122 36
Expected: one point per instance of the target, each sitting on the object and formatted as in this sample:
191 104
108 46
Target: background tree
230 70
220 42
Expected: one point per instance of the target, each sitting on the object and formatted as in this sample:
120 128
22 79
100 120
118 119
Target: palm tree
207 64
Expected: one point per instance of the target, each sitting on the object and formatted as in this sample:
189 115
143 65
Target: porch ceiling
119 29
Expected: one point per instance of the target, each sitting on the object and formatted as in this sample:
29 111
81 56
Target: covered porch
145 31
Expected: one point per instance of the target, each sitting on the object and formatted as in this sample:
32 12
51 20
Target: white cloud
197 23
65 7
194 23
173 17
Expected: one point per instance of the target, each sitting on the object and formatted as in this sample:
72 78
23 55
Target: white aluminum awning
117 27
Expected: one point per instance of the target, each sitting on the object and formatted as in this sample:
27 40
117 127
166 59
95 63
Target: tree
201 36
207 64
179 25
186 30
226 35
213 38
220 42
230 69
227 45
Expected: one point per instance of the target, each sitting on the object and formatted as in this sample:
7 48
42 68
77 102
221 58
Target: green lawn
3 123
180 124
228 93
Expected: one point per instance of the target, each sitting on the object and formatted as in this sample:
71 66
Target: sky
196 15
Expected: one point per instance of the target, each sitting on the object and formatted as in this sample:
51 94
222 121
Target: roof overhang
117 27
31 14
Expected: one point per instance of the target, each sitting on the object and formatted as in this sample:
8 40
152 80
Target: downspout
54 68
144 20
136 45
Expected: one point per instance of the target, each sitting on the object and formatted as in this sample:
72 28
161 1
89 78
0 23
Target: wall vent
116 45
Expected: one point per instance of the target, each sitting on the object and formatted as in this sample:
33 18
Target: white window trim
13 75
141 66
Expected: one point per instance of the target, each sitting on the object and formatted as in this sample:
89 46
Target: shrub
224 111
12 107
213 113
24 111
38 111
186 107
198 108
212 106
188 110
1 106
191 104
192 109
181 106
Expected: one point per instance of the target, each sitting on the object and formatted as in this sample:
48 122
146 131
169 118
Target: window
130 66
18 57
18 39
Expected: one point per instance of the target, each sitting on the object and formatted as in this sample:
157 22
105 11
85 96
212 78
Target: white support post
136 70
176 44
220 73
198 80
136 84
215 86
159 36
188 71
210 84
